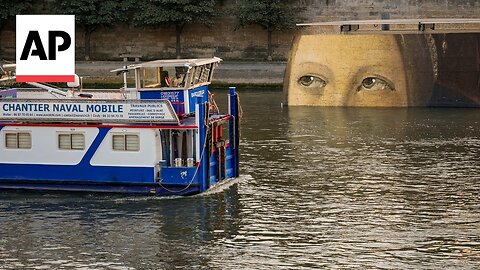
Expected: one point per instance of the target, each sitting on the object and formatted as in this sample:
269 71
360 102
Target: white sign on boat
104 111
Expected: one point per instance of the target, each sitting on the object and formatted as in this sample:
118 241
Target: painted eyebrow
365 71
316 67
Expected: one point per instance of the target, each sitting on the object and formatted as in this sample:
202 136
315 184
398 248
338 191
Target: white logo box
59 65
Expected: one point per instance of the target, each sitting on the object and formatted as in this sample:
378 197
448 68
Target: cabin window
162 77
71 141
202 74
150 77
18 140
180 77
126 142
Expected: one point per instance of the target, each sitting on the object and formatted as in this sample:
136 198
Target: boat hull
112 188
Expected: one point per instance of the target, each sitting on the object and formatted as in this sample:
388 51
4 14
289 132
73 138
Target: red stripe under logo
45 78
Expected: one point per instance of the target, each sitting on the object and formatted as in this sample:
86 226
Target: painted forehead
338 49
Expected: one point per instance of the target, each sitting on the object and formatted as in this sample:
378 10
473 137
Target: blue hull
79 173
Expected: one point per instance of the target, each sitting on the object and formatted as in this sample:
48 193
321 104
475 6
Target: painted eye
369 82
375 84
312 81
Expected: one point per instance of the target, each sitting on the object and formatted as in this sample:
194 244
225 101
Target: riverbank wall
230 72
224 39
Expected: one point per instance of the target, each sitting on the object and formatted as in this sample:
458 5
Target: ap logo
45 48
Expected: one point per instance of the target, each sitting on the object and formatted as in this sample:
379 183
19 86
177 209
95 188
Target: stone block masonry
249 43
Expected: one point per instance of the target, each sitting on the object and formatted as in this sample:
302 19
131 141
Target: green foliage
270 14
9 8
92 13
173 12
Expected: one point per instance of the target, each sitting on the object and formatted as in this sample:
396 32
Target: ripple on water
325 188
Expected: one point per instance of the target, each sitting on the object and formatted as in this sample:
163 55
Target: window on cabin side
202 74
126 142
71 141
160 77
18 140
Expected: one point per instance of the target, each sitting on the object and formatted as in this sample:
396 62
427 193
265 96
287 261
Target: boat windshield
174 77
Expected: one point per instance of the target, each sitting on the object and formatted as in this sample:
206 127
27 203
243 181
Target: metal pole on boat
200 117
234 130
125 85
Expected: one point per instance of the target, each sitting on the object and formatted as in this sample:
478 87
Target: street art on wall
384 70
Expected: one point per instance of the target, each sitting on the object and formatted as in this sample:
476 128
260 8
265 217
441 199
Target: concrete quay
226 72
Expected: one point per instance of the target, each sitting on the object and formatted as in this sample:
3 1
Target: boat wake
224 185
218 188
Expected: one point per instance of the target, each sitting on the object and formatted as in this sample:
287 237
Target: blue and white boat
164 136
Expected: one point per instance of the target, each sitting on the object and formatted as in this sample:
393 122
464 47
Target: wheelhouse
181 81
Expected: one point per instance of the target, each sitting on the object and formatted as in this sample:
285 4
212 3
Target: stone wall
372 9
220 40
248 43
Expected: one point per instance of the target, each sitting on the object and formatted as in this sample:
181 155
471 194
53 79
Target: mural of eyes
312 81
375 84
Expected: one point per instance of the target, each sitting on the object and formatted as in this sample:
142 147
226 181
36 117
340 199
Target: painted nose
338 94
